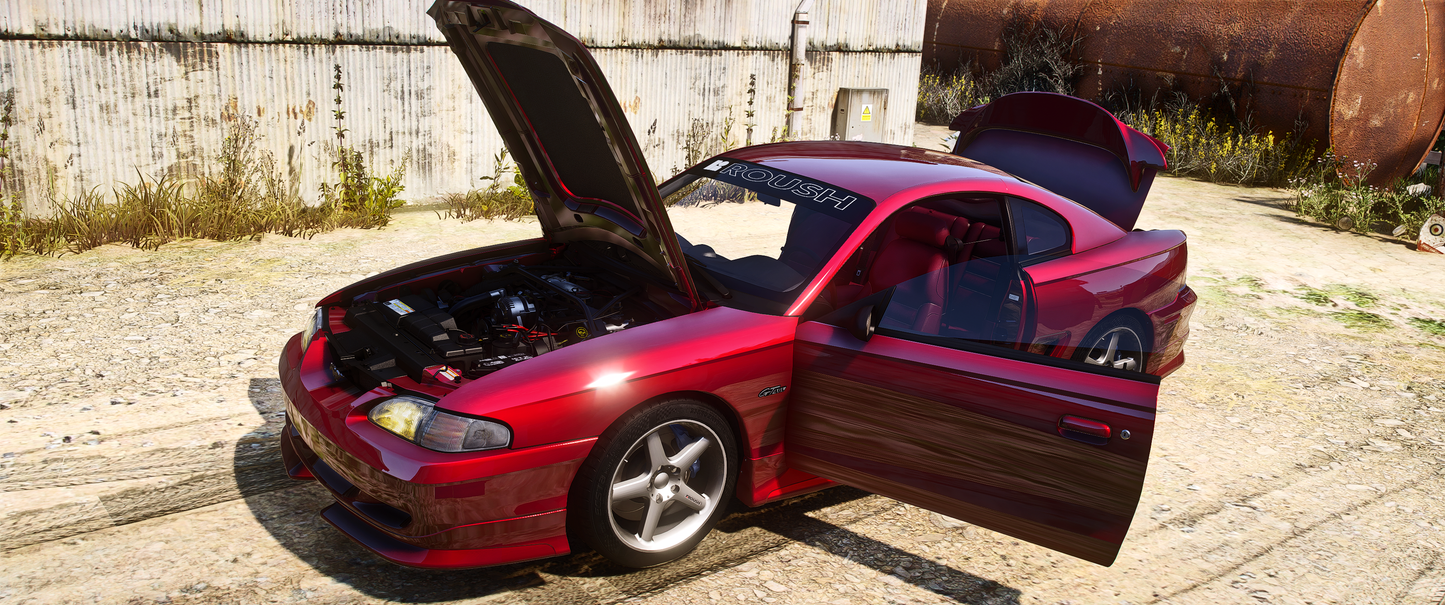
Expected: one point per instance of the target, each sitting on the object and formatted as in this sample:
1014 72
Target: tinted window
944 269
1037 230
779 230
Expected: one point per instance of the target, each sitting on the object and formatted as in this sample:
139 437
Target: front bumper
415 507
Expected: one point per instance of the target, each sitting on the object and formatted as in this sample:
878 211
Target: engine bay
451 332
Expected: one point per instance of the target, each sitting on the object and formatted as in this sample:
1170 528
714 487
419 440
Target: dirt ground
1298 454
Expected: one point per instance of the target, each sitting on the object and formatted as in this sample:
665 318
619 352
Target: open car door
1047 450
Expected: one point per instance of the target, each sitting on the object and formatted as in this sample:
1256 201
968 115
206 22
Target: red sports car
979 334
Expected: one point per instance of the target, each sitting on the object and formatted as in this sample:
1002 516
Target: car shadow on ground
289 512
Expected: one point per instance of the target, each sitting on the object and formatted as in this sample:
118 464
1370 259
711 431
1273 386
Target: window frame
1014 267
1015 233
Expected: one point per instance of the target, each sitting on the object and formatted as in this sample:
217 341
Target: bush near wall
246 198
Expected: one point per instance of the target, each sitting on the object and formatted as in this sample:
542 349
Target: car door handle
1082 429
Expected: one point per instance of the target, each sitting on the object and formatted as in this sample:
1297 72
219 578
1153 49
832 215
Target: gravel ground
1297 457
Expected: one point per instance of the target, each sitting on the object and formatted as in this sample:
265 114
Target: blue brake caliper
683 440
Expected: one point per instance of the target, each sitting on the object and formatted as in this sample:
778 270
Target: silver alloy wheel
660 499
1118 348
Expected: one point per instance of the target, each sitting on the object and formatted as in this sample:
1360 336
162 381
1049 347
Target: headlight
418 421
313 325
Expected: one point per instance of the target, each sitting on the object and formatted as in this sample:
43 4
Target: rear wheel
1117 342
655 486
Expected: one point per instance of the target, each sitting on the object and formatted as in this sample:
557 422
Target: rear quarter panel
1143 271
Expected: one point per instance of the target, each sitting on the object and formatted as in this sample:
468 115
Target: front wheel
1117 342
655 486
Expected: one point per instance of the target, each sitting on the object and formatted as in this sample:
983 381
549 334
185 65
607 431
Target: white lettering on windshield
840 203
780 182
777 182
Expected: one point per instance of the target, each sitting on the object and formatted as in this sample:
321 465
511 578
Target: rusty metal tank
1366 77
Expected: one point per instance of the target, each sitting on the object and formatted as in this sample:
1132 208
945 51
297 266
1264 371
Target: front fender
732 354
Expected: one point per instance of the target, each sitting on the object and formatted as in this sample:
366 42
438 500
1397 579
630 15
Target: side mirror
865 322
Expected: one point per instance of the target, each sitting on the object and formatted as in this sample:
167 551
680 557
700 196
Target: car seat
812 235
977 281
917 249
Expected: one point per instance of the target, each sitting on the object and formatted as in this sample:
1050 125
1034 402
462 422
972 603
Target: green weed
1250 282
359 199
1360 298
494 201
1362 320
1230 288
706 139
941 97
1213 149
1433 326
1205 145
1035 58
1335 193
1313 296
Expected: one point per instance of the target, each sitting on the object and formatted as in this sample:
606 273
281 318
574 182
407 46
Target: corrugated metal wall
106 88
857 25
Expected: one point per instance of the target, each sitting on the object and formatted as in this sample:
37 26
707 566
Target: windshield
766 232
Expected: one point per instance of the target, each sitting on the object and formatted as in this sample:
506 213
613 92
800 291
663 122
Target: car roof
882 172
876 170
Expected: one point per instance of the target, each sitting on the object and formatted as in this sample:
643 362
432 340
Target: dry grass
941 97
247 198
1035 58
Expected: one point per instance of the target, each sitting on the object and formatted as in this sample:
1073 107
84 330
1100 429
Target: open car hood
1067 145
562 124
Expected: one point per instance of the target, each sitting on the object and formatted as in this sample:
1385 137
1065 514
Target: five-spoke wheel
656 484
1117 342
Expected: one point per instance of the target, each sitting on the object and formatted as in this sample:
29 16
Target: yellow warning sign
867 113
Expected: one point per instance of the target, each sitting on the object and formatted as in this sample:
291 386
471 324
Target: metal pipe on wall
1361 75
796 79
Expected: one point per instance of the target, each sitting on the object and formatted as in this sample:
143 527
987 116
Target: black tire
1131 349
688 498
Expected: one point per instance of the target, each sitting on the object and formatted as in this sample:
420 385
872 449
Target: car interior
950 262
811 239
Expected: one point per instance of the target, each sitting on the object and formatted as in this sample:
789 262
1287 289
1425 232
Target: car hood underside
560 120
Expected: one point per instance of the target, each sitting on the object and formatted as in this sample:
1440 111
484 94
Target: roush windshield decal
812 194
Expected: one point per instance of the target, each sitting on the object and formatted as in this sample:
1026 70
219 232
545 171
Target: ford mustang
979 333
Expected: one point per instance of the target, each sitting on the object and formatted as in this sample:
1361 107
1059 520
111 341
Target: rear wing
1067 145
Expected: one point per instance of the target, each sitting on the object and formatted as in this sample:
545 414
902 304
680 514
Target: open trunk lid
562 123
1067 145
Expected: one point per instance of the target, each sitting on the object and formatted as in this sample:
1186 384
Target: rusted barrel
1363 75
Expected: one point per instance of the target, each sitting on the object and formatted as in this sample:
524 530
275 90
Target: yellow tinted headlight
417 420
313 325
402 416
